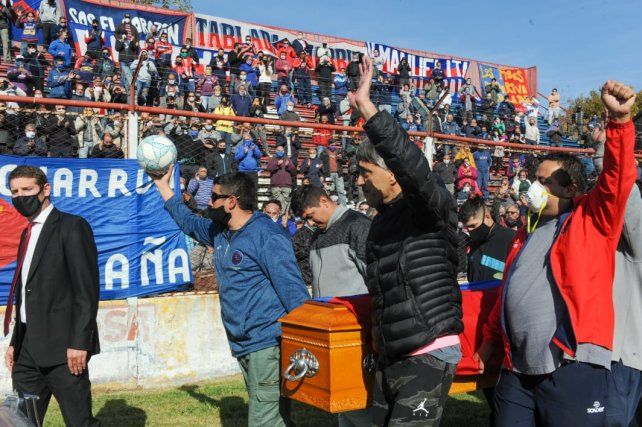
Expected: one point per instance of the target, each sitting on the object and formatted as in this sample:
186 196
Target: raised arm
607 202
422 188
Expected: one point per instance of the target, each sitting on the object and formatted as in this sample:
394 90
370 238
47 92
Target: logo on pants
420 408
596 409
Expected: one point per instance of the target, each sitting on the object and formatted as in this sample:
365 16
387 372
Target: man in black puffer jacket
411 270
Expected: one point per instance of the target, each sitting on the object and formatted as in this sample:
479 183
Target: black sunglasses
216 197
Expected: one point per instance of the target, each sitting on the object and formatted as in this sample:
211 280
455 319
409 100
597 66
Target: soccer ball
155 154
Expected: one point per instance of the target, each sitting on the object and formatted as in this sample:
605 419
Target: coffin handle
302 364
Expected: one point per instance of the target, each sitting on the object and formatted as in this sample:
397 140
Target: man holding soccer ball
260 282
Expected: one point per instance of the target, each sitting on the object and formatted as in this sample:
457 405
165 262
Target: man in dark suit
56 288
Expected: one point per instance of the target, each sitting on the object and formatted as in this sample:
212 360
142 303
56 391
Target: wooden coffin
324 345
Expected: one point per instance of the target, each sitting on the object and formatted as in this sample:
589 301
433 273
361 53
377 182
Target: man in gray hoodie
337 258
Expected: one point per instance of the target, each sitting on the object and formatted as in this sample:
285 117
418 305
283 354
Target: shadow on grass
232 409
117 412
470 410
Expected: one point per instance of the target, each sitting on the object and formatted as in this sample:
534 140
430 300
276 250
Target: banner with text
141 250
80 14
212 33
420 66
512 81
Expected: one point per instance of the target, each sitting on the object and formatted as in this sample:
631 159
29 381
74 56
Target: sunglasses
216 196
512 213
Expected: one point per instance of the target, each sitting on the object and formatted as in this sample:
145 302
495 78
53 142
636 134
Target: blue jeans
126 76
142 88
483 177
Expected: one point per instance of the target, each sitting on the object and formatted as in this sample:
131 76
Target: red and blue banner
80 14
141 250
512 81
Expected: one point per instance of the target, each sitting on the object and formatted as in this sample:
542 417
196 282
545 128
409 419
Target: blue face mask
280 154
193 133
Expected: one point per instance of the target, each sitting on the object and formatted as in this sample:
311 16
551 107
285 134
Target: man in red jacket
555 317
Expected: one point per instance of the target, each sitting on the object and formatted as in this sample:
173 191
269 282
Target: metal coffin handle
302 364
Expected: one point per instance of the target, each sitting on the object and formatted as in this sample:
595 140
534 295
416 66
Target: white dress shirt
36 229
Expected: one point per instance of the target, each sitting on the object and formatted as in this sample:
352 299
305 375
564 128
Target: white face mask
30 134
208 127
182 187
537 196
242 77
290 107
275 219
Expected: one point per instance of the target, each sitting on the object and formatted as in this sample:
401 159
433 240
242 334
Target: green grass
224 403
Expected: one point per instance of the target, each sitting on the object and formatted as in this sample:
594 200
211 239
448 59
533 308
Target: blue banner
141 250
80 14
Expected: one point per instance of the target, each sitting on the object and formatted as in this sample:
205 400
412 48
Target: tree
592 104
184 5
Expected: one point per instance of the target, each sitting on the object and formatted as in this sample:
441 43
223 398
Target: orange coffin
325 360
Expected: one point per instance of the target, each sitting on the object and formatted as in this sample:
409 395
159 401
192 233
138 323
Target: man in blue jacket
260 282
248 155
60 80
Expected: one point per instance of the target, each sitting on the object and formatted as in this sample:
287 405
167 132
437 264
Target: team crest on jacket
237 257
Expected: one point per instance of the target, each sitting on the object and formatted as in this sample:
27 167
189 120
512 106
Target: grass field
224 403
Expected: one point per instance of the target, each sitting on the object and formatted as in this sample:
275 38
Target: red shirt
322 137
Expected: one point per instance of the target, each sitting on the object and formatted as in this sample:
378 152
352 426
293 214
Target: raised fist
618 99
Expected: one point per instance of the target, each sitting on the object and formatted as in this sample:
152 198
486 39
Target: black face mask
27 206
479 235
517 222
219 215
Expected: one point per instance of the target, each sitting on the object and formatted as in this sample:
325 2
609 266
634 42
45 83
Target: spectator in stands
322 138
432 91
5 25
335 169
208 132
483 161
163 55
472 129
313 169
281 169
241 102
106 149
404 71
60 130
327 109
499 126
266 71
323 53
248 155
89 131
97 92
116 128
467 174
48 13
353 71
301 243
377 62
30 144
439 76
20 77
200 187
506 109
29 27
61 26
324 70
36 63
128 49
225 127
520 185
146 74
513 219
418 105
299 44
532 131
251 79
171 89
95 40
489 241
191 51
273 209
555 135
302 67
447 172
60 80
382 93
340 83
290 115
283 67
494 90
86 68
127 29
554 109
207 83
234 61
219 162
282 98
184 68
191 104
77 95
450 127
488 106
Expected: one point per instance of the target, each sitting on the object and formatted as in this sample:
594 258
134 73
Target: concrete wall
155 342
